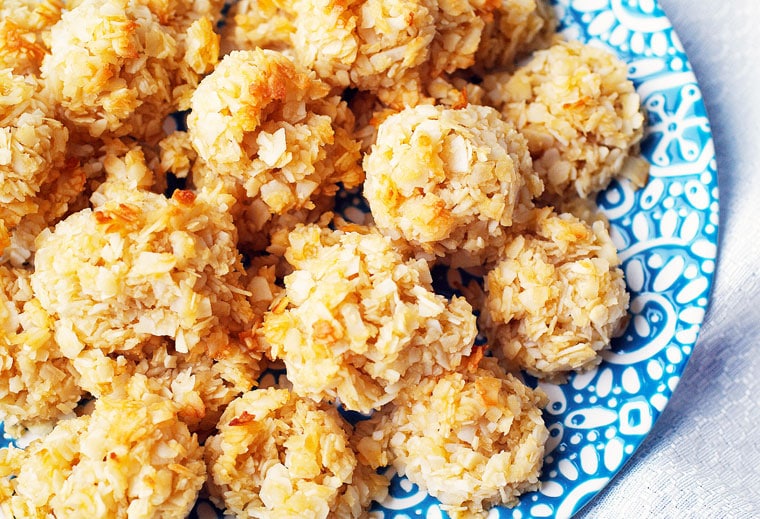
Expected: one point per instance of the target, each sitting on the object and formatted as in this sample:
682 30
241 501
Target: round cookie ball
448 180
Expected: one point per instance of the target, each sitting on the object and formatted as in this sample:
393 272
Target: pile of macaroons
149 276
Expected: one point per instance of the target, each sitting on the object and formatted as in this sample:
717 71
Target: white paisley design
667 237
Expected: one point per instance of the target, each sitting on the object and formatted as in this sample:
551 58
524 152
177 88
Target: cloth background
702 458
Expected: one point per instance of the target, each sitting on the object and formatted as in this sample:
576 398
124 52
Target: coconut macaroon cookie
25 33
142 265
448 180
358 322
32 145
581 115
259 23
269 130
279 455
38 385
557 297
516 28
131 457
200 382
119 67
388 47
374 45
472 439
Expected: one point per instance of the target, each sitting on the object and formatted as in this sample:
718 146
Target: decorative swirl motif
637 30
640 16
405 496
666 234
654 325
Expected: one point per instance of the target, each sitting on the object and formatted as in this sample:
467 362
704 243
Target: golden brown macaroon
200 382
267 24
131 457
66 193
38 385
459 28
268 130
359 322
557 297
472 439
516 28
88 164
32 146
25 33
375 45
387 47
141 265
119 67
449 181
581 115
277 455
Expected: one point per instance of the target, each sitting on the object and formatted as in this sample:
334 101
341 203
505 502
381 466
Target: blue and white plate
667 237
666 234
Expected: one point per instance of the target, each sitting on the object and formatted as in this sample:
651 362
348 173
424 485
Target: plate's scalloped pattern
667 237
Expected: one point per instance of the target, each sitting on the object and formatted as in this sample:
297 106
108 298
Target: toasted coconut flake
25 33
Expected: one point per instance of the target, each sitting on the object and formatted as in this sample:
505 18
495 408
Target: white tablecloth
702 459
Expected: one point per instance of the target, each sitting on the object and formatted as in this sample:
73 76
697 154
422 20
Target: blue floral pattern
667 237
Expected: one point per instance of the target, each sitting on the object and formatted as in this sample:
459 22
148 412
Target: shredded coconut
277 455
473 439
131 457
557 297
449 180
581 115
357 322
